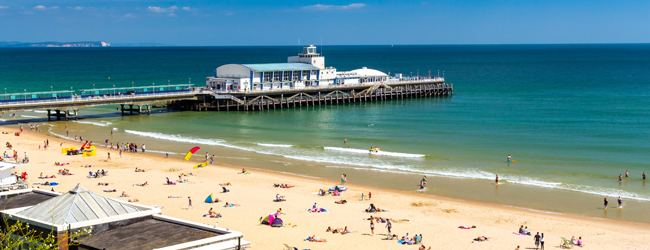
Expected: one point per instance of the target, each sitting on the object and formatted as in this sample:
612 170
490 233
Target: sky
354 22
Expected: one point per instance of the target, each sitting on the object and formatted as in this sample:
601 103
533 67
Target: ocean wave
29 116
40 111
364 151
105 124
274 145
161 152
370 164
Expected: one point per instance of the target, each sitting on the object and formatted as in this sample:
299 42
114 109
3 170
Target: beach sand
437 218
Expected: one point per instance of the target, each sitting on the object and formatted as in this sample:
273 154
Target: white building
306 69
8 178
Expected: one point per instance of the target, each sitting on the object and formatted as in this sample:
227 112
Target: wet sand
435 217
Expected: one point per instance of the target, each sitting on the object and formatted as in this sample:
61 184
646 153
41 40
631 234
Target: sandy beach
437 218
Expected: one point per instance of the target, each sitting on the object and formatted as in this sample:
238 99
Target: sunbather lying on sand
341 202
231 205
481 238
139 170
102 184
124 194
315 239
110 190
174 196
141 184
225 184
133 200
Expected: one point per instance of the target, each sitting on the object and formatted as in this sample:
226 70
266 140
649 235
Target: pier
313 96
65 105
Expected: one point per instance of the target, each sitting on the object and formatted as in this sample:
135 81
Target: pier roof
280 67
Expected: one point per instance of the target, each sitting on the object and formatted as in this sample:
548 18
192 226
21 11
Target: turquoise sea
573 117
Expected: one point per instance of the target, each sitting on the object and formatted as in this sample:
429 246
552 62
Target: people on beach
481 238
372 227
509 158
315 239
279 197
643 175
626 174
189 199
620 202
346 140
497 179
537 238
124 194
344 178
606 202
541 242
389 225
424 181
620 177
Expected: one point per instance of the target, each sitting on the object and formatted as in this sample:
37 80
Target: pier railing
90 98
334 86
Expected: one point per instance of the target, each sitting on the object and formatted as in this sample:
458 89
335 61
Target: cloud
41 7
162 10
129 15
334 7
186 8
171 14
79 8
3 7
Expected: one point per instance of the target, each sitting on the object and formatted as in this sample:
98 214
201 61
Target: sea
572 116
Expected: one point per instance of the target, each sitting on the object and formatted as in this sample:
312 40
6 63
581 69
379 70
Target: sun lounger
566 243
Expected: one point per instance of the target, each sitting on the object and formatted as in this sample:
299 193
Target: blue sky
205 23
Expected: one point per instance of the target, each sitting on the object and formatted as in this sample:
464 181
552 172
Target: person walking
620 202
344 178
606 202
190 200
109 156
541 242
389 225
369 195
372 227
537 238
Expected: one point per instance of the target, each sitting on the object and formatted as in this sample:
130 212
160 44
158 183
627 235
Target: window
296 74
267 76
286 75
276 76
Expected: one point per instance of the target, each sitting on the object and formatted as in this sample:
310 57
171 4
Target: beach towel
318 210
463 227
522 234
50 184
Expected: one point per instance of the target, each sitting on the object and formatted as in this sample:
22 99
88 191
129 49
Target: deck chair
566 243
287 247
225 190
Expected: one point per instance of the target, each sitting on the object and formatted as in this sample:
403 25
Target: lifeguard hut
8 178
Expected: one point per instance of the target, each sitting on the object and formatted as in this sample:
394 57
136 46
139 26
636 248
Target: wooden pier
261 100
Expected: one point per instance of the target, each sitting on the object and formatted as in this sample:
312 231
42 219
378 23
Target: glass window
276 76
286 75
267 76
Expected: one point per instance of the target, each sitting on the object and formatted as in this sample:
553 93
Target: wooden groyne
265 100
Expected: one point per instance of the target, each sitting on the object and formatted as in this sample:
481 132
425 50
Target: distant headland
56 44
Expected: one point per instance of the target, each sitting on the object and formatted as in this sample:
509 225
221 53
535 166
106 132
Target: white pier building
307 70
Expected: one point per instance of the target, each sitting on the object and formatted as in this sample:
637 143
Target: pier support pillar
49 116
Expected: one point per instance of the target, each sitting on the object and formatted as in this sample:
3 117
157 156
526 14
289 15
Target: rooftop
280 67
23 199
147 234
79 204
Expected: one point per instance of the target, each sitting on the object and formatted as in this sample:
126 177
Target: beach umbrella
202 165
192 151
210 199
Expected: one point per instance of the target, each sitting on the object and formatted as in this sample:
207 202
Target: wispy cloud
129 15
41 7
186 8
78 8
157 9
334 7
3 7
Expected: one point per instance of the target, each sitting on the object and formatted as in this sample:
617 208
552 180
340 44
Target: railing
20 185
90 98
389 81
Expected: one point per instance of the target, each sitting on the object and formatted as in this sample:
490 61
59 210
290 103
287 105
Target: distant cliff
56 44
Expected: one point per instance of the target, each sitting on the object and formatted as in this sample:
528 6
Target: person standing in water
424 181
620 202
345 140
497 180
620 177
606 202
509 158
627 174
643 175
344 178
